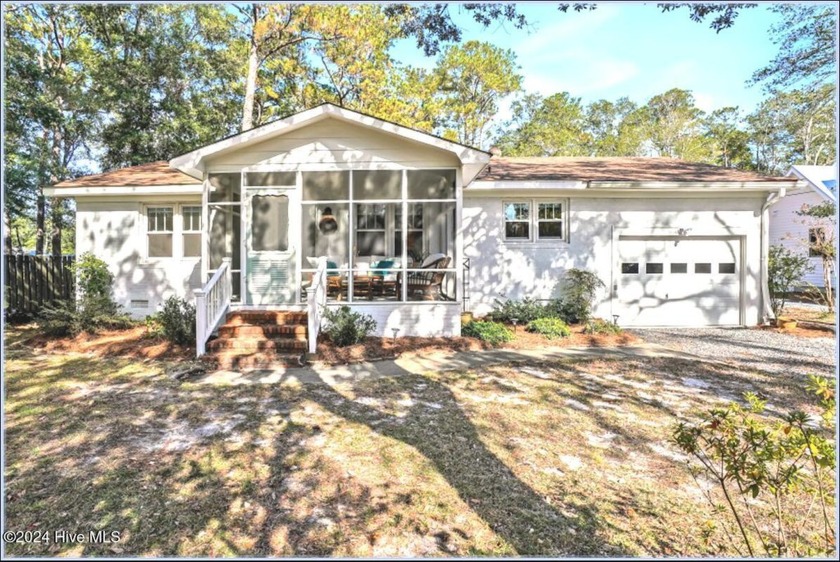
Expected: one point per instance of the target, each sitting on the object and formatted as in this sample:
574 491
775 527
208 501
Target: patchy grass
566 458
820 315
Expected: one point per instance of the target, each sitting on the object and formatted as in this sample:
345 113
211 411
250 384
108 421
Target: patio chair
333 281
429 283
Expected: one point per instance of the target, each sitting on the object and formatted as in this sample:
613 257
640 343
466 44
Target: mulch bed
132 342
799 331
387 348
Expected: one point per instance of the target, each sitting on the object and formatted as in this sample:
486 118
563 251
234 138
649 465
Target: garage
679 281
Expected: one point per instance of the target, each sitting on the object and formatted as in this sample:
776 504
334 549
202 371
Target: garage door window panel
677 268
726 268
654 268
702 268
630 268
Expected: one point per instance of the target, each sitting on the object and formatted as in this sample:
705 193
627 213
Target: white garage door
678 281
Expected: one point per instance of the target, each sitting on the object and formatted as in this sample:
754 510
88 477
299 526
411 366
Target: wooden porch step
262 317
252 344
239 360
294 331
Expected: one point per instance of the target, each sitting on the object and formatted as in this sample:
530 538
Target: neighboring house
675 243
818 184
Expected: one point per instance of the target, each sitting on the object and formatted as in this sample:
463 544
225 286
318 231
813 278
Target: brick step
263 317
251 344
235 359
295 331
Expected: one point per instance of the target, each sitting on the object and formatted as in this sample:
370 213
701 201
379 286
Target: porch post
200 322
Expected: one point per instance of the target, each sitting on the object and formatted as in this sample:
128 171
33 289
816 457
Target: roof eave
89 191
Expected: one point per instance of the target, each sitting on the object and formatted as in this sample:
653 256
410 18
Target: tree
674 126
784 272
612 128
807 48
553 126
821 221
730 143
473 78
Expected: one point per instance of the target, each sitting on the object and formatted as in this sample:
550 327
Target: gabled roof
613 169
822 179
192 163
154 173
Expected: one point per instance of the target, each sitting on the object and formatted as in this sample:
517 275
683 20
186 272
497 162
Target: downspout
765 247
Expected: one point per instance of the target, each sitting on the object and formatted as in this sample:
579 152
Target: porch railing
316 302
211 305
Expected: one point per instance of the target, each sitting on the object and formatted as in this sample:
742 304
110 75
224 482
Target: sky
627 49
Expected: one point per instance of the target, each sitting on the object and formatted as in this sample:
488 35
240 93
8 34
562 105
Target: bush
523 311
767 473
493 333
549 327
579 290
601 326
345 327
94 310
784 271
176 321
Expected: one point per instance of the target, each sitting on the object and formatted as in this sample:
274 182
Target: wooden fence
32 281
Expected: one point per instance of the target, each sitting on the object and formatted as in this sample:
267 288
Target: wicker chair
428 283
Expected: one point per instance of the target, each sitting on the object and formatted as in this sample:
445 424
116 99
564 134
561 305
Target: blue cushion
381 266
332 269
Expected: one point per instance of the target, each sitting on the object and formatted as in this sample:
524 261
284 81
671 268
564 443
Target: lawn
568 458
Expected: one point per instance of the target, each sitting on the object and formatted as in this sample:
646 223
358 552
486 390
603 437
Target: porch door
270 250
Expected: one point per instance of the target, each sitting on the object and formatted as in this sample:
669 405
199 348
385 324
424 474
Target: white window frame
185 230
177 231
534 221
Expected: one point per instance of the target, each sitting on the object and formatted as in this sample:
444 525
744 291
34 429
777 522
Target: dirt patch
374 349
800 331
132 342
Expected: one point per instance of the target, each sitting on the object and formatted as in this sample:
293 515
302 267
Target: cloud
571 26
579 73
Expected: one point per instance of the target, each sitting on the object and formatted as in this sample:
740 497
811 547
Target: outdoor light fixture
396 331
327 224
615 319
515 322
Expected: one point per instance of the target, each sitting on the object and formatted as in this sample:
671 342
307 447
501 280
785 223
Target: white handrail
211 305
316 301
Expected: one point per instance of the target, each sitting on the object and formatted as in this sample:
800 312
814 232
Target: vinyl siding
791 231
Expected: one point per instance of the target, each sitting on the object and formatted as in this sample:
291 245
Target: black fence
32 281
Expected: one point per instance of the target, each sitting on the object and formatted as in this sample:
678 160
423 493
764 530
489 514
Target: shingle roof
612 169
153 173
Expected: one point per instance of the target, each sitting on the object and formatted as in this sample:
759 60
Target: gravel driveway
750 348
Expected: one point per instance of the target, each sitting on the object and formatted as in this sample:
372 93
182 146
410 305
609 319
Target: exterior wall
332 144
114 231
791 231
500 269
426 319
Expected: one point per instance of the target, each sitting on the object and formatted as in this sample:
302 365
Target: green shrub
95 309
177 321
493 333
784 271
523 311
345 327
601 326
579 290
549 327
768 472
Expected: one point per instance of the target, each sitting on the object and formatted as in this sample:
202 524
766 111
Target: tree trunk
251 78
40 227
7 232
57 216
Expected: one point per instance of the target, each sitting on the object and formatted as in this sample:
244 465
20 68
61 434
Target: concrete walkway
441 361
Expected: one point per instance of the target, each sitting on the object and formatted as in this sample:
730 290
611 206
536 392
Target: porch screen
270 223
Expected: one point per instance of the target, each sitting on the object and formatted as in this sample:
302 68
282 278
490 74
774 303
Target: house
818 184
416 228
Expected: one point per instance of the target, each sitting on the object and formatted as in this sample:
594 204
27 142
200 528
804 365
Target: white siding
509 270
113 230
426 319
791 231
331 144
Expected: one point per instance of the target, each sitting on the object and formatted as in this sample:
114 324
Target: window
517 221
191 217
726 268
816 238
370 229
679 268
415 230
702 268
630 268
550 220
654 268
159 231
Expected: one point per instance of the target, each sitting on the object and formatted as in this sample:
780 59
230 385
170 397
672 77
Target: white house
818 184
675 243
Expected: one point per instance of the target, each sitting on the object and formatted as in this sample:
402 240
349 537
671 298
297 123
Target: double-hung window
160 231
370 229
535 220
191 232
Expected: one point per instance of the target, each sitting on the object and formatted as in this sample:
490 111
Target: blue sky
628 49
